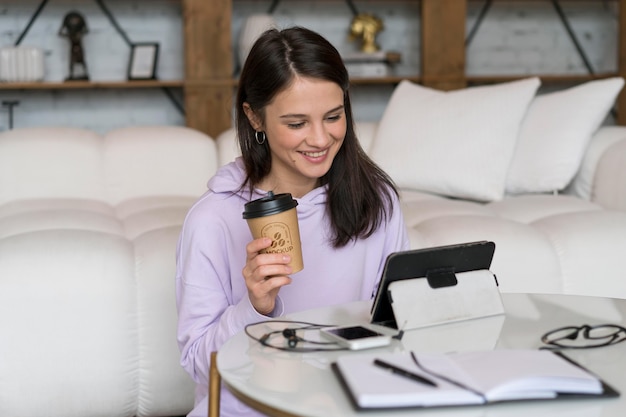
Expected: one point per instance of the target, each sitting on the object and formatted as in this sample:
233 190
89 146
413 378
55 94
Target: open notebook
467 378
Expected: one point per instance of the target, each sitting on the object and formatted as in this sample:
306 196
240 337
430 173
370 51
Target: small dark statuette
74 27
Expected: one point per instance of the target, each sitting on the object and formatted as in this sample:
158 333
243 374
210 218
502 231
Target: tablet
438 265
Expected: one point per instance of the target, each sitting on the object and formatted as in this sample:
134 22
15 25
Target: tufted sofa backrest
88 231
124 164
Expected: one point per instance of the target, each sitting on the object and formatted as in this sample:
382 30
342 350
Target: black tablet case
437 264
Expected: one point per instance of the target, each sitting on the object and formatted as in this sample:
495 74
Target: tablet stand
437 285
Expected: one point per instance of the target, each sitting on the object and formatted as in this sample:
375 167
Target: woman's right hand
265 274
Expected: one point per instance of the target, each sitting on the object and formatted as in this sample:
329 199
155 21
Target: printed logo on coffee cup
280 235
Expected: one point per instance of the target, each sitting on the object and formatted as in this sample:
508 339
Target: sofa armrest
227 146
366 131
609 186
602 175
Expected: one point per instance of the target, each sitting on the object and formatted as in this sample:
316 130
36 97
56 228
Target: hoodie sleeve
212 302
396 237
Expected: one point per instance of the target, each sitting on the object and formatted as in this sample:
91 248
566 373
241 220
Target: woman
296 134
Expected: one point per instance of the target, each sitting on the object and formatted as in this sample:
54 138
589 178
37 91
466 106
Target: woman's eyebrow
296 115
336 109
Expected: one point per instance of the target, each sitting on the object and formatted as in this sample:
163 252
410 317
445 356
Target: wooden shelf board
395 79
547 78
71 85
233 82
486 79
218 82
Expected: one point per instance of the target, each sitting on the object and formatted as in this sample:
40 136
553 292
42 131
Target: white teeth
315 154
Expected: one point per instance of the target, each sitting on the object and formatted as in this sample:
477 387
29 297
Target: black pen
403 372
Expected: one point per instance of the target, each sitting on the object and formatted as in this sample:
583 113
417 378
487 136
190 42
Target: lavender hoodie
211 294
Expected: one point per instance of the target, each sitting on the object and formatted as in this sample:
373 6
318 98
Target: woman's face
305 127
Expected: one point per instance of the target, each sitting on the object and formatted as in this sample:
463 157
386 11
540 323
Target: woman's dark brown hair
359 192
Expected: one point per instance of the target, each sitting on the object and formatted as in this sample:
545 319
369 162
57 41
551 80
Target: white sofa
89 224
88 228
536 173
550 243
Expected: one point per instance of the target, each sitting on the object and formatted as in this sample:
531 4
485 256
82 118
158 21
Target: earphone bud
292 338
289 334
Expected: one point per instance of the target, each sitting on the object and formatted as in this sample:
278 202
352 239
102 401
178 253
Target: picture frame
143 61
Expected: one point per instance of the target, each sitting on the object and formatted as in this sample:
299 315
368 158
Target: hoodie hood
228 180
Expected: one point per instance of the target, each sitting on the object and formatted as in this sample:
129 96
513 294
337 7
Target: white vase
252 28
21 64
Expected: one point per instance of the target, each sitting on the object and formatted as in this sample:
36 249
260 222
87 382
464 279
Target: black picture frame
143 61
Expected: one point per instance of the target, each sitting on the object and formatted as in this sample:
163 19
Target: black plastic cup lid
268 205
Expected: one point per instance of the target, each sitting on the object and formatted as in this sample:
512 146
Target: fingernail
286 258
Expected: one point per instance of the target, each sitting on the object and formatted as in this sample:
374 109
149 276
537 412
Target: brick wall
515 38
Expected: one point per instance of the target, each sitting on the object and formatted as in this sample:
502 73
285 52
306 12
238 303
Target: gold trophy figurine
366 26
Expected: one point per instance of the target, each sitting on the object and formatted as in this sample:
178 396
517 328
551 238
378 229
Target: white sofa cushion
43 163
586 179
139 162
610 189
590 248
544 243
227 146
158 394
555 133
68 310
456 143
88 231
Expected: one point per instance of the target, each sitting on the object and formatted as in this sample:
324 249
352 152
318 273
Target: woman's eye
295 125
334 117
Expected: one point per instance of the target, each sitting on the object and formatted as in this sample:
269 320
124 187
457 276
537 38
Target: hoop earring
262 138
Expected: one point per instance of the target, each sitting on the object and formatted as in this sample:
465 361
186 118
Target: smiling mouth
315 154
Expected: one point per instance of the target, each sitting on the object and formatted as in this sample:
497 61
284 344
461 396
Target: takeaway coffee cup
275 216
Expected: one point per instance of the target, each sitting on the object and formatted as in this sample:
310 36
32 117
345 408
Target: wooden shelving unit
209 84
71 85
209 58
208 65
87 84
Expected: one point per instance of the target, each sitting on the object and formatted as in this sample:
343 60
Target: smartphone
356 337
